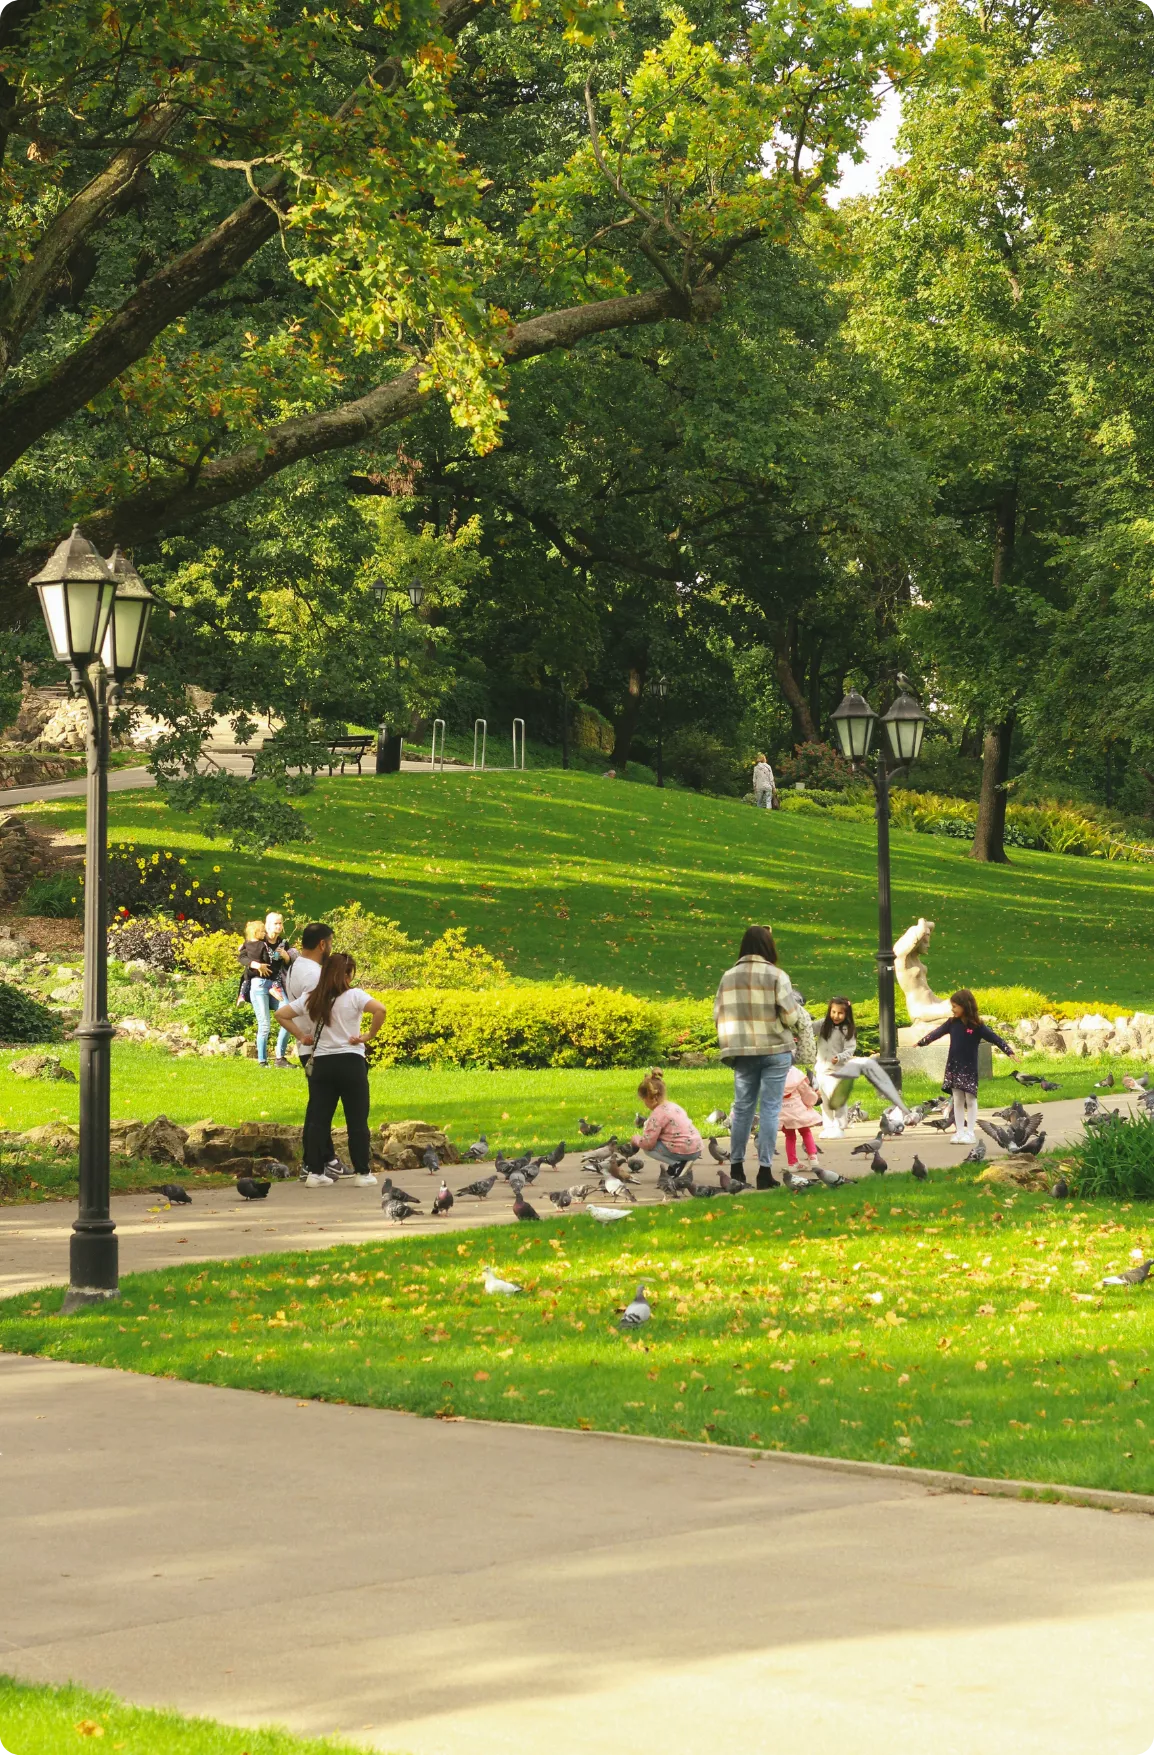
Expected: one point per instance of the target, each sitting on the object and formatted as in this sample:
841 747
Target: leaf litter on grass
908 1327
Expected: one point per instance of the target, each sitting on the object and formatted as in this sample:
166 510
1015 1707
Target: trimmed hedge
24 1019
530 1026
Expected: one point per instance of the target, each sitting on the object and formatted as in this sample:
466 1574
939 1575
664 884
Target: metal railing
517 764
433 749
483 725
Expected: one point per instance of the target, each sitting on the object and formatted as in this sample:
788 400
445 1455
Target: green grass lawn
516 1110
35 1720
566 874
948 1325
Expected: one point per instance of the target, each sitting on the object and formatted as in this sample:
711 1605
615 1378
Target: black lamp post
905 723
388 745
97 615
662 687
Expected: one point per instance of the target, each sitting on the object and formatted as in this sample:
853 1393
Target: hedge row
533 1026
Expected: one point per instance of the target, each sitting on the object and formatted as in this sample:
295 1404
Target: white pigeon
493 1283
636 1312
606 1215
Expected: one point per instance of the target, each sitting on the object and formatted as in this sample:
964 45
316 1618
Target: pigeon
856 1112
918 1170
390 1191
976 1153
701 1190
830 1177
577 1190
799 1184
1051 1085
442 1200
717 1118
517 1180
561 1198
1106 1084
603 1153
1030 1148
878 1164
430 1160
554 1157
1015 1111
1091 1106
636 1312
398 1210
522 1209
998 1134
638 1119
1030 1124
481 1189
478 1150
493 1283
1021 1078
272 1168
668 1186
530 1172
868 1147
637 1165
174 1194
586 1127
732 1184
1060 1190
1132 1084
503 1165
716 1153
250 1189
1131 1277
606 1215
613 1186
943 1123
892 1126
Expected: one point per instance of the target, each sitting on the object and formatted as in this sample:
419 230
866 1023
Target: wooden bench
349 749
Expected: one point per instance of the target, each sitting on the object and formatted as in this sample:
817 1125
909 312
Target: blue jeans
662 1153
258 998
758 1083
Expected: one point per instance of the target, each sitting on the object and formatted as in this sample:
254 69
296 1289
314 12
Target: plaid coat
753 1008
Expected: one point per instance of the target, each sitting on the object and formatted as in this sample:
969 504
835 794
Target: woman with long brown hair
329 1019
754 1011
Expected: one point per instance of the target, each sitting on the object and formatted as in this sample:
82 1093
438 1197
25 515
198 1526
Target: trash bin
388 750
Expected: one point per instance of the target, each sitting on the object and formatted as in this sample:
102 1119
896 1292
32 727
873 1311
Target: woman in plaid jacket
753 1011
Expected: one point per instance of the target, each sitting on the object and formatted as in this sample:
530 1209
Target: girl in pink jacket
798 1115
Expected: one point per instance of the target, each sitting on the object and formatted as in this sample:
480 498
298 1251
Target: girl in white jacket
838 1065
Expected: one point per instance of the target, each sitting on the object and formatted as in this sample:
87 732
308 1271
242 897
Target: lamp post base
93 1268
83 1297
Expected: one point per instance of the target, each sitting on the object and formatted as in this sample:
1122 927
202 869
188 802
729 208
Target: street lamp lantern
380 591
416 593
854 722
662 687
905 724
76 592
127 625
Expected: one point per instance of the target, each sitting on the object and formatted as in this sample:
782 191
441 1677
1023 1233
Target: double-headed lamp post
905 723
96 612
662 686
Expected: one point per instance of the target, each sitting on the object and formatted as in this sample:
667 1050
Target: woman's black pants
343 1079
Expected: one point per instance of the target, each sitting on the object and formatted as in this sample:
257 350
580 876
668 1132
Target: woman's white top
836 1046
762 777
344 1021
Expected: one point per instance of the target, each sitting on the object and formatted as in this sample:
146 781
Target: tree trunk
990 835
815 683
804 729
625 725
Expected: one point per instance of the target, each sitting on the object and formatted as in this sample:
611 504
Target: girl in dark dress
965 1030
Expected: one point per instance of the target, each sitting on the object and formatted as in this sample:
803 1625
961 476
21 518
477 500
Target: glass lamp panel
89 603
416 594
56 620
125 636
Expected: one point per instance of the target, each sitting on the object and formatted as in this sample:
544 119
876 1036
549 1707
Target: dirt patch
63 939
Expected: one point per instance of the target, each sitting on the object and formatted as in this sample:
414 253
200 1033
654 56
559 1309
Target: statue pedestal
932 1060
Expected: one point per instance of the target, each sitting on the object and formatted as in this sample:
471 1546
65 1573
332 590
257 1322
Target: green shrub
387 957
59 897
24 1019
210 1008
1048 827
212 954
144 880
701 761
684 1026
865 1016
535 1025
820 766
1116 1158
1008 1004
158 941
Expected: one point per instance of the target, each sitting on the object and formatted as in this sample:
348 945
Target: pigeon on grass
918 1170
478 1151
482 1189
1051 1085
249 1188
830 1178
1133 1084
494 1283
799 1184
442 1200
607 1215
1060 1190
1021 1078
1106 1084
716 1118
976 1153
637 1311
1131 1276
587 1127
174 1194
732 1184
878 1164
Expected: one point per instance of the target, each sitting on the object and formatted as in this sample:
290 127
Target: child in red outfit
798 1115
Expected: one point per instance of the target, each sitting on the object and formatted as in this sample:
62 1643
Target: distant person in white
303 974
329 1021
763 784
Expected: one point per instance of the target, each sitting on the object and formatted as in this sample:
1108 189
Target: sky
880 153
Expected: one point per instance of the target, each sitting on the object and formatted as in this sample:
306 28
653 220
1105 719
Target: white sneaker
957 1139
967 1139
366 1181
315 1180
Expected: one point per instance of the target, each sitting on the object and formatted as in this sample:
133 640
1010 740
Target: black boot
737 1173
766 1177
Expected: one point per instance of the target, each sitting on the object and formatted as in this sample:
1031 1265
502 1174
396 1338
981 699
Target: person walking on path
798 1115
280 958
329 1019
966 1031
668 1135
763 784
304 973
838 1064
256 981
753 1011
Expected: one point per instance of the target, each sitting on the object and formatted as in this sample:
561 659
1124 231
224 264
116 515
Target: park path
219 1225
130 779
467 1589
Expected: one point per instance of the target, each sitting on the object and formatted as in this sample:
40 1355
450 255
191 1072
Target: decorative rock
270 1139
124 1138
13 949
41 1066
58 1136
1097 1041
162 1141
417 1135
67 995
1051 1041
1026 1028
207 1143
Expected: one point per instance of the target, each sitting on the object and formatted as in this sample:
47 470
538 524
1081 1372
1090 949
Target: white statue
922 1003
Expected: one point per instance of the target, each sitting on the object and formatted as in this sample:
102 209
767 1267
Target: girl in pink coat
798 1115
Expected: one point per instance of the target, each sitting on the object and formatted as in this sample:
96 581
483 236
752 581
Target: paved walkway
34 1238
128 779
461 1589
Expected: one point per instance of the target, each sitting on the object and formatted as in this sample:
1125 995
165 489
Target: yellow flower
216 868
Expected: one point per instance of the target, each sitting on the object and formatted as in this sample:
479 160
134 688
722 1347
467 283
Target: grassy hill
567 874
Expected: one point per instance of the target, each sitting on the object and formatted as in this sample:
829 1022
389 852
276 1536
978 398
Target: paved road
461 1589
128 779
34 1238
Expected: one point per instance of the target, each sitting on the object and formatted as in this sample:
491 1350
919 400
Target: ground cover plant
567 874
949 1325
37 1720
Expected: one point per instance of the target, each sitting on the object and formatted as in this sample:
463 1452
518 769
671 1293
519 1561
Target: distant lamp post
905 723
662 687
389 744
96 613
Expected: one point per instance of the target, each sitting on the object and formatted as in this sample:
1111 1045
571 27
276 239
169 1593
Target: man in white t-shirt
304 973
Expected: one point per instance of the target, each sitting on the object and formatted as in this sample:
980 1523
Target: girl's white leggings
965 1111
